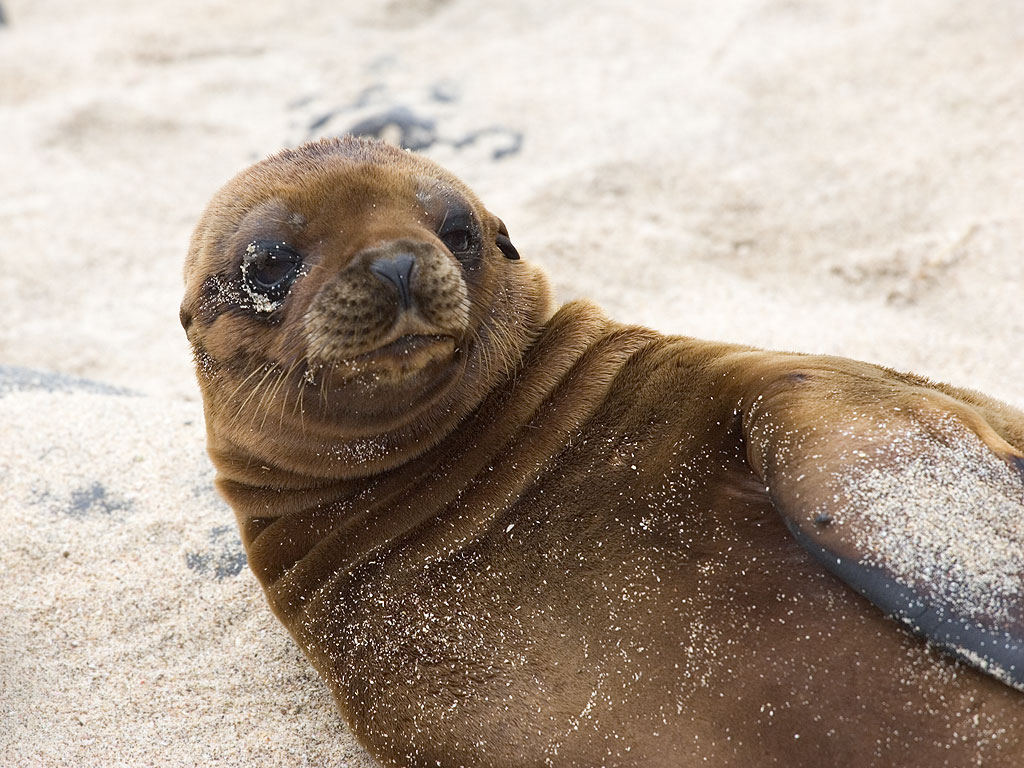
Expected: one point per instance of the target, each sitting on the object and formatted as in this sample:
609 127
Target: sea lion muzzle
399 288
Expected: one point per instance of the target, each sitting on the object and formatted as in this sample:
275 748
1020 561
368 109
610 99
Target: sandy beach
822 177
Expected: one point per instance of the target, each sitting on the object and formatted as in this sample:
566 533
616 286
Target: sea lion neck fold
503 412
574 361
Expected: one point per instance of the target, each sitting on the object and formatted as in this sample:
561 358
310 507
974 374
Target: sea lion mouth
400 359
409 346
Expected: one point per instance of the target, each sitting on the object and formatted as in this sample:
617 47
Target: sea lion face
354 284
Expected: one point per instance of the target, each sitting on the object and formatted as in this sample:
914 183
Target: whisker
303 383
269 370
298 404
323 390
284 400
263 399
484 355
242 384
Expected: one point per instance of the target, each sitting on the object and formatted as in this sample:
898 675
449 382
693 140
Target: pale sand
827 176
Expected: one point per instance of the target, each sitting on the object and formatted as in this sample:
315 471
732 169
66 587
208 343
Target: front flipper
910 497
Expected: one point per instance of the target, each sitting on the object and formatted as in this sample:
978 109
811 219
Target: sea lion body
519 537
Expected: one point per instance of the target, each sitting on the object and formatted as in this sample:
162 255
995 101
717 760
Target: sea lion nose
396 270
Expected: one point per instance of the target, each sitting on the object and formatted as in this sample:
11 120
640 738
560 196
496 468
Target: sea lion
513 535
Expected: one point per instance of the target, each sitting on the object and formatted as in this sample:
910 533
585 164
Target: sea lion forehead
330 162
346 187
316 179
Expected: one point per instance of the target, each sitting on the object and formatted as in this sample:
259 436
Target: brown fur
551 539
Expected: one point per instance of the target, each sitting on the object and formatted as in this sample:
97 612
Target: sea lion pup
508 535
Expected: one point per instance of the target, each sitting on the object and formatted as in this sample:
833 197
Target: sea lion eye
459 234
269 268
457 240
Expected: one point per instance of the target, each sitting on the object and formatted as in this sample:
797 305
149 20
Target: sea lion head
350 296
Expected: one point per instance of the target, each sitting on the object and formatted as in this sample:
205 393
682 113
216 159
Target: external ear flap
504 244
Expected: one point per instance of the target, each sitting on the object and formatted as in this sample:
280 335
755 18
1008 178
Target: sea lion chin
512 536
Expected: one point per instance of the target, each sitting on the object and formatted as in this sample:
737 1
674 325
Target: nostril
396 270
